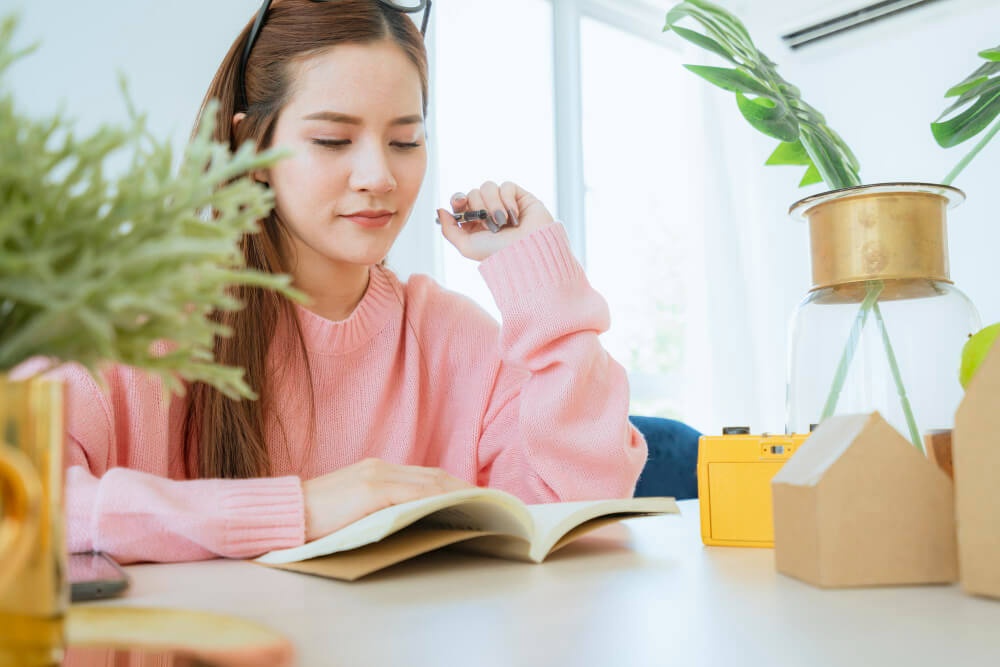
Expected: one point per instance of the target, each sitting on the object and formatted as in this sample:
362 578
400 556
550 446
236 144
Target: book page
554 520
475 509
558 524
481 517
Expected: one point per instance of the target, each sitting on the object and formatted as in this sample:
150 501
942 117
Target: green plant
126 269
977 105
979 101
775 107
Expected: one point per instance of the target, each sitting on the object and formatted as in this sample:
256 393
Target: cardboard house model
858 505
976 460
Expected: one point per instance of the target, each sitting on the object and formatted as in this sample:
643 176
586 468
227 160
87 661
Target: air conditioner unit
833 18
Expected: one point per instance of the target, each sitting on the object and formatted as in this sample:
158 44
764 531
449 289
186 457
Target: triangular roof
822 449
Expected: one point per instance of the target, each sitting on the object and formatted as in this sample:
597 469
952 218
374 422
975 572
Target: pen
471 216
475 216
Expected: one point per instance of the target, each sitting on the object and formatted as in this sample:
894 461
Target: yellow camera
734 485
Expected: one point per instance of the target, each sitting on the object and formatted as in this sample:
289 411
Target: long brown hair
226 437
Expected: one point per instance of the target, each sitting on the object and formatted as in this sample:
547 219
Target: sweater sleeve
141 515
136 516
556 425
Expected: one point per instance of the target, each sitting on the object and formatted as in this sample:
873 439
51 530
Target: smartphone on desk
94 576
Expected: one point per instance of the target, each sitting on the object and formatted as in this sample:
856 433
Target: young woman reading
378 391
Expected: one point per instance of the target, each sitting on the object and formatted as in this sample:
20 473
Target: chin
361 257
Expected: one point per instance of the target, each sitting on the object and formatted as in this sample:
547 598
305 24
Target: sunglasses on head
405 6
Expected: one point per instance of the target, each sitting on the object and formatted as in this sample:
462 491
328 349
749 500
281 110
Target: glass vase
883 326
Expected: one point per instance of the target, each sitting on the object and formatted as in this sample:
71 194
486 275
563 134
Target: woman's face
355 128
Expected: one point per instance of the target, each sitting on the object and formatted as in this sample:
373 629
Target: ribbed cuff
80 503
263 514
541 259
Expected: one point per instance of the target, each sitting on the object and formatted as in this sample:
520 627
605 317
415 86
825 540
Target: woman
378 391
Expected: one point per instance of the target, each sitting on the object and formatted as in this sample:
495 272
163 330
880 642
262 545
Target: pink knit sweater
416 375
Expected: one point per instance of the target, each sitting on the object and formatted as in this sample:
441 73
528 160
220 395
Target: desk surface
645 592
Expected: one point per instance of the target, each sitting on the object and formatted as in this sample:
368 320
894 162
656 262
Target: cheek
303 177
412 175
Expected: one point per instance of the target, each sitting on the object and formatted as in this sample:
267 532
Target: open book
486 521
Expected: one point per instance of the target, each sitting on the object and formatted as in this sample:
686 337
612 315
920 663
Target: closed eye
332 143
406 145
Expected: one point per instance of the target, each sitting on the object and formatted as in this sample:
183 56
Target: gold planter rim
952 195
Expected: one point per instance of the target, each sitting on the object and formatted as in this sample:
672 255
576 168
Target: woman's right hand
336 499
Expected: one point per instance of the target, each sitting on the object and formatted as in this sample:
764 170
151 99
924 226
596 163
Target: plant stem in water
898 379
874 288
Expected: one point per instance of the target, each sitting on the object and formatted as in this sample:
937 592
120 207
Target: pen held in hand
473 216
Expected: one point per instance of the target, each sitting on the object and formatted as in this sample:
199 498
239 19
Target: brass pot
34 594
885 231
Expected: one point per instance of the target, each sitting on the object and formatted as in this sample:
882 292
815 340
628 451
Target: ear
259 175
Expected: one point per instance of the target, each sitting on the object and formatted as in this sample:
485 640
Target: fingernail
500 217
493 227
513 218
458 196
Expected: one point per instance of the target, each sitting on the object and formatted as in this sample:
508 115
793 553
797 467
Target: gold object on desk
34 594
882 232
99 635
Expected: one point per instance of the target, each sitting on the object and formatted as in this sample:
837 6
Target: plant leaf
704 42
811 176
768 117
730 79
790 152
969 95
969 123
769 103
983 70
961 88
991 54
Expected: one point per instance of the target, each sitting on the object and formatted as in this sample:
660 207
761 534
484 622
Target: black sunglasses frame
241 82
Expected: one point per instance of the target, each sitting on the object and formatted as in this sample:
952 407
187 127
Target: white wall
879 86
168 51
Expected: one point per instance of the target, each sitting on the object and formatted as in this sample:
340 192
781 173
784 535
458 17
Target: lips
370 218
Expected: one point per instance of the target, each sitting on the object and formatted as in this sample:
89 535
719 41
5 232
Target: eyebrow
336 117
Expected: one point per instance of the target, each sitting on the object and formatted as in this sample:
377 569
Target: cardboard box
976 460
858 505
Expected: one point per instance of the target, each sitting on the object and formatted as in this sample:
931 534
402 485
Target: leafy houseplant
125 270
96 269
775 107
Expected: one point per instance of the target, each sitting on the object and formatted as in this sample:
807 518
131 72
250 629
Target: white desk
665 600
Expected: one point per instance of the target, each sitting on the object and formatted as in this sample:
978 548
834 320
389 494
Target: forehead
358 78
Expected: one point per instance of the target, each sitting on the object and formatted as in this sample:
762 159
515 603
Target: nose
371 172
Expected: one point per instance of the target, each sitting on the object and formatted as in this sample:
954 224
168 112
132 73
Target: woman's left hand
514 213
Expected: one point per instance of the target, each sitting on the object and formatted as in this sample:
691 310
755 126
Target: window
482 49
641 246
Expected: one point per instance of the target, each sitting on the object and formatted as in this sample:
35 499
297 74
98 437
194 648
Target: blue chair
671 469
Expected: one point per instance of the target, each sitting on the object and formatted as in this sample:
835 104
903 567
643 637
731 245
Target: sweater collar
375 310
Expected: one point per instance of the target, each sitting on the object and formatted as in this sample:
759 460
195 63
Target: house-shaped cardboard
976 461
858 505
